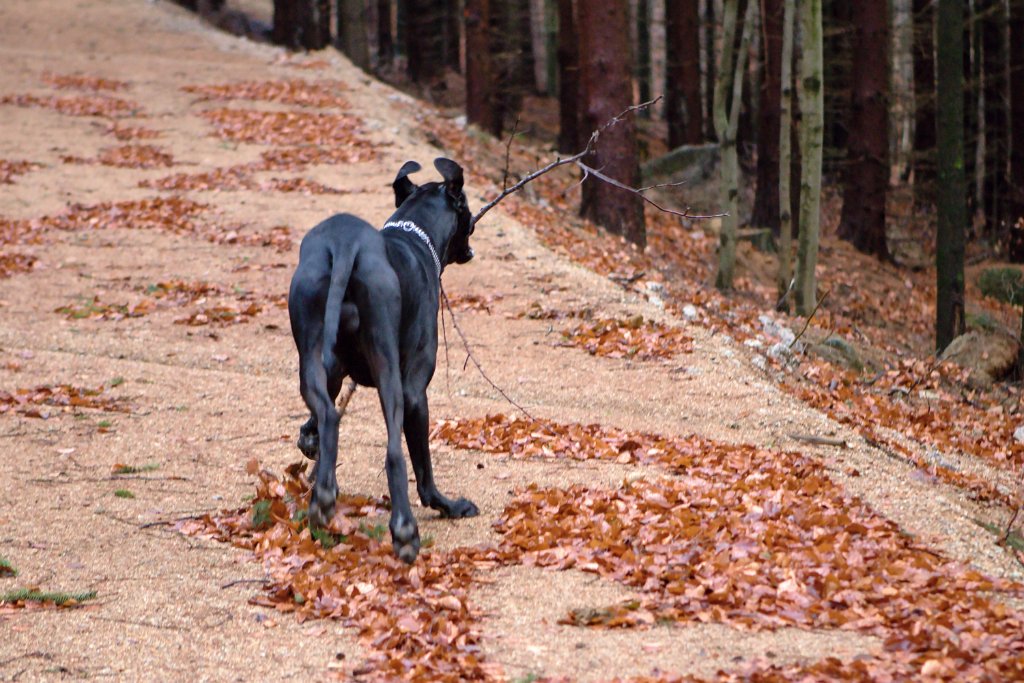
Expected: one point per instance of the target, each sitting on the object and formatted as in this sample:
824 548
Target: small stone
690 312
1018 434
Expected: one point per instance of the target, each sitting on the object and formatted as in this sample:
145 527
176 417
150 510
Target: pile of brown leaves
295 92
78 82
82 105
28 402
279 237
9 169
414 621
473 302
286 127
633 338
127 156
755 538
94 309
12 262
128 133
221 314
238 177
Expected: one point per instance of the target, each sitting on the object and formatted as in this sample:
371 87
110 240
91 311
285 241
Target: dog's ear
402 185
452 174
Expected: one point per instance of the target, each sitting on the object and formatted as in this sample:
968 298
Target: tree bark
710 29
728 102
480 104
569 139
812 132
452 35
302 24
766 199
682 77
785 196
385 41
604 77
867 171
992 30
424 38
972 137
924 97
1016 206
952 212
642 21
352 36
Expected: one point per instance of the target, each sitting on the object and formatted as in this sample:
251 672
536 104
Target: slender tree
785 200
603 78
867 171
728 102
992 30
710 28
385 41
352 37
812 132
1016 208
682 76
480 102
424 40
924 96
569 140
766 198
952 213
642 21
302 24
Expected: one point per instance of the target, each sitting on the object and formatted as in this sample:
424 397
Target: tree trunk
812 132
604 78
728 102
1016 206
766 199
643 53
452 35
902 138
924 98
302 24
785 200
992 30
709 69
972 137
385 41
480 104
682 77
569 137
952 213
352 36
867 171
424 40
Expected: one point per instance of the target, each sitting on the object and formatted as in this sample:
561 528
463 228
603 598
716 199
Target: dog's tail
340 272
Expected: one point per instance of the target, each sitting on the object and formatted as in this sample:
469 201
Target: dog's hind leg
313 385
417 437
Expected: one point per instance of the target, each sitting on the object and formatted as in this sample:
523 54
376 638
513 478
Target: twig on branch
809 318
471 357
587 170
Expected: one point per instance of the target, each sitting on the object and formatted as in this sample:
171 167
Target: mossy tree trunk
728 101
785 201
812 130
952 211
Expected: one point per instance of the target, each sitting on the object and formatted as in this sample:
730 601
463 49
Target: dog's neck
427 220
409 226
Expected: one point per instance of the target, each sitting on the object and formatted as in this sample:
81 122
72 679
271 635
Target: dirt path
205 399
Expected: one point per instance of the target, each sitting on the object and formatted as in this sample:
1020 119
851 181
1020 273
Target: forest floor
678 504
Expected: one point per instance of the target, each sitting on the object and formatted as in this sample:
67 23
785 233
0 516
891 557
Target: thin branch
809 318
639 193
587 149
471 357
1013 519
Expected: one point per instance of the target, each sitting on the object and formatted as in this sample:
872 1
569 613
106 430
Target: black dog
363 303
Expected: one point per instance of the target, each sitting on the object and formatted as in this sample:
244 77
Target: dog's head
454 198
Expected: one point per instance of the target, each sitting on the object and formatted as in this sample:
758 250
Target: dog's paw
463 507
405 539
